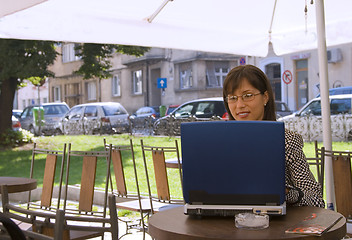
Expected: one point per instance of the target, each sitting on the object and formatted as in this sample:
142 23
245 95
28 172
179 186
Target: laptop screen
233 162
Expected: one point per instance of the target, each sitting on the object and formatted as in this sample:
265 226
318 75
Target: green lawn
16 162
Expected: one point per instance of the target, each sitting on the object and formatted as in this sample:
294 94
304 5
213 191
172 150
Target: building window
57 94
302 82
23 103
69 54
45 100
186 78
91 91
116 87
137 82
273 71
216 73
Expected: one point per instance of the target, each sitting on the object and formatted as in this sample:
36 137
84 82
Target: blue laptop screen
233 162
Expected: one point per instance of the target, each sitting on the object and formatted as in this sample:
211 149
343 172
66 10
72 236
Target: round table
18 184
173 224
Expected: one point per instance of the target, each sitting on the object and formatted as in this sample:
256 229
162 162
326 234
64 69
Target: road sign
287 77
242 61
162 83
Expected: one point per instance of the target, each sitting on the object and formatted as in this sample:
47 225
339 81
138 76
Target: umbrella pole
325 103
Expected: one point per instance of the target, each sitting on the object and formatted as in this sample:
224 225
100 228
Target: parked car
53 112
145 116
17 113
308 121
205 109
339 90
171 108
16 124
282 109
96 118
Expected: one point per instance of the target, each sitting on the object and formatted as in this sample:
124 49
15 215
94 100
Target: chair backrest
50 171
84 221
317 163
117 152
89 161
160 170
341 163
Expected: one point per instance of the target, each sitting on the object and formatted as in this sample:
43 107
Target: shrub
13 138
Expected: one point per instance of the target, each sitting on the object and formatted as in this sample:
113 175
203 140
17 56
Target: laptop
233 166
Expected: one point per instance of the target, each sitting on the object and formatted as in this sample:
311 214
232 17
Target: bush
13 138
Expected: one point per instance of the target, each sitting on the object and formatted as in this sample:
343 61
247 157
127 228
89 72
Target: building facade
188 75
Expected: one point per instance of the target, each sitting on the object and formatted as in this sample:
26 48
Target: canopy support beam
325 103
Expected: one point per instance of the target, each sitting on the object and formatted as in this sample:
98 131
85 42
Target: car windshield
111 110
55 109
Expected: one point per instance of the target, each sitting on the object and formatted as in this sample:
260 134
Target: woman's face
250 110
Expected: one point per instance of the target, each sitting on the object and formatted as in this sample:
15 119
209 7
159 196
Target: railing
311 127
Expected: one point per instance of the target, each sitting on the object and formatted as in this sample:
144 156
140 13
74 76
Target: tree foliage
96 58
19 60
23 59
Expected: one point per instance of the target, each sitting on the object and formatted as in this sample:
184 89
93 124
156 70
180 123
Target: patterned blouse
304 190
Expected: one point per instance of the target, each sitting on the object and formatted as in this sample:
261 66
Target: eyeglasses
245 97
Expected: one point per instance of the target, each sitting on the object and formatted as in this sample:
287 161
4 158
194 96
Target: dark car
53 112
170 109
96 118
145 117
205 109
282 109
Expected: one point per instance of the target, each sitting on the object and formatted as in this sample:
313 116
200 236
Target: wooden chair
318 164
50 172
341 163
154 158
83 221
10 230
128 201
41 213
37 219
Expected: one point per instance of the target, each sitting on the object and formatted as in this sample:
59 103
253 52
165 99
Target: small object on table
315 224
251 221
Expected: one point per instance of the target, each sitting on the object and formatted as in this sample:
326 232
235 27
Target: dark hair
257 79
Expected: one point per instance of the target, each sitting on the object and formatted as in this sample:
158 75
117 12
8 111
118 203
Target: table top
174 224
18 184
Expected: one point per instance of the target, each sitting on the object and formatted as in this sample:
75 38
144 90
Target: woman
248 96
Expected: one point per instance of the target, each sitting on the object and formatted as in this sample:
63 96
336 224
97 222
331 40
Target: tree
19 60
29 59
96 59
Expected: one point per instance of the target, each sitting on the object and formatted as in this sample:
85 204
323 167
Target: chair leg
113 218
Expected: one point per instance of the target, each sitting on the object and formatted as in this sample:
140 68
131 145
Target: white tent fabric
227 26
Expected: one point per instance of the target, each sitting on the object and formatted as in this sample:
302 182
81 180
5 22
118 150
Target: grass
16 162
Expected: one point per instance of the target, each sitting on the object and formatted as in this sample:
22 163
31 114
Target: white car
308 121
96 118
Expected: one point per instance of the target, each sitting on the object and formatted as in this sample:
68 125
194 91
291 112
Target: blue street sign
162 83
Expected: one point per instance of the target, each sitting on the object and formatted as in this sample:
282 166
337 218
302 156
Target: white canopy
227 26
